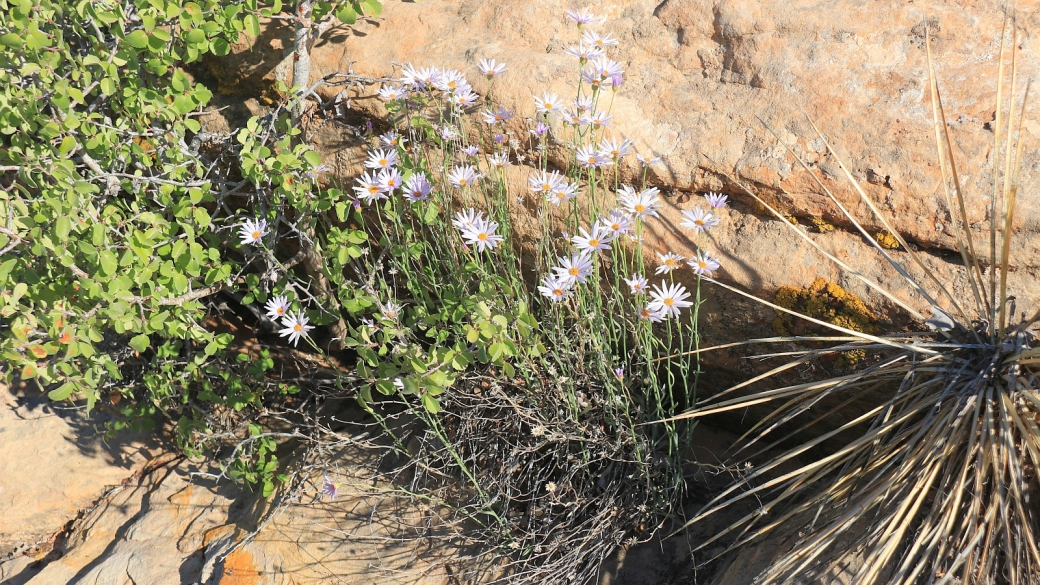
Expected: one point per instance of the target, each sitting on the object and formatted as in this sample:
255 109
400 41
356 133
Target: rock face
699 76
52 465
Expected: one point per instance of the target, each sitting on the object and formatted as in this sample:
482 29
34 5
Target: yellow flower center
573 271
593 243
297 327
702 264
558 292
373 189
640 208
280 310
482 237
462 181
256 235
669 262
382 162
668 302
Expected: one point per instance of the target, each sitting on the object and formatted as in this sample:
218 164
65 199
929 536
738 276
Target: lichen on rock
825 301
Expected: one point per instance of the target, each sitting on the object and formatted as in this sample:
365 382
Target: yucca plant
940 482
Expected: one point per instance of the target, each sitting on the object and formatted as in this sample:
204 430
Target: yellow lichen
791 219
822 225
826 302
886 240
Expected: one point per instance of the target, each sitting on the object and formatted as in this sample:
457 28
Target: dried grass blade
888 226
867 336
944 148
825 253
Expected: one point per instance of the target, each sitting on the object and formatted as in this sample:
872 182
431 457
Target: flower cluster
477 230
294 324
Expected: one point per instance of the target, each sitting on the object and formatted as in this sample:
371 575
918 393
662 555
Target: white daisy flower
555 288
583 103
669 262
583 16
584 52
641 204
389 180
573 117
393 92
500 116
422 78
618 222
636 284
704 264
604 68
463 176
499 160
295 326
252 231
467 218
482 235
381 159
471 150
563 192
417 188
651 314
716 200
448 133
588 157
600 120
276 307
574 269
390 310
670 299
463 97
698 219
451 80
549 103
648 161
490 68
391 140
614 149
598 239
368 188
591 37
544 182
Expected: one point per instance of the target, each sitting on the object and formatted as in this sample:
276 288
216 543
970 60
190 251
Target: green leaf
108 87
220 47
195 36
184 104
252 23
373 7
139 342
346 15
62 227
138 39
62 392
430 404
12 40
109 264
67 144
